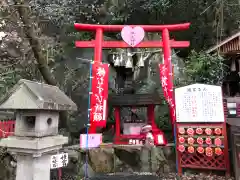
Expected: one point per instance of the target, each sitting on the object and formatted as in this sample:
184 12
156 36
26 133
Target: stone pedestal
32 168
33 155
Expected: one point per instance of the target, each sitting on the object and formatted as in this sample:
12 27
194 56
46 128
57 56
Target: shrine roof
228 42
33 95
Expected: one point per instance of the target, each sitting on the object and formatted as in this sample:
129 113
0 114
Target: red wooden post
117 122
178 154
98 45
59 173
150 115
97 58
167 61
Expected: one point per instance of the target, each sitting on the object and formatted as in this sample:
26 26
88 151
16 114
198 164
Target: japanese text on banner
168 91
99 95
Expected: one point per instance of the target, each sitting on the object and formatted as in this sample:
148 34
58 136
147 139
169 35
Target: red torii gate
98 44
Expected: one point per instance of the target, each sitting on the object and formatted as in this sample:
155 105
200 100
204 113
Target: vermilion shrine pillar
168 63
98 47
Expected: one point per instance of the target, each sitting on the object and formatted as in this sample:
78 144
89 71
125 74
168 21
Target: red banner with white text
167 90
99 95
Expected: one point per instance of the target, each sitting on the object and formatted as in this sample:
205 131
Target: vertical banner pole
171 101
88 122
97 59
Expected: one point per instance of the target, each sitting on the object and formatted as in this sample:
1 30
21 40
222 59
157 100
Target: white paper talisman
94 140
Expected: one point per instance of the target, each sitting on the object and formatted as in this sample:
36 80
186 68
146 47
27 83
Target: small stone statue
149 140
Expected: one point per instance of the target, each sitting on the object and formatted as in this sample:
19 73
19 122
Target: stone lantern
36 138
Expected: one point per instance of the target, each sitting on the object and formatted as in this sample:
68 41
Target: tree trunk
24 13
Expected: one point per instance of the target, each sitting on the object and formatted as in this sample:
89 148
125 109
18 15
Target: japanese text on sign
199 103
59 160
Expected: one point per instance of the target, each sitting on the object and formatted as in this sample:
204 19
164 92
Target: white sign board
59 160
199 103
93 141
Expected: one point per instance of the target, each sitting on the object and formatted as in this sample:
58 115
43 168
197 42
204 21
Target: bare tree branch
24 11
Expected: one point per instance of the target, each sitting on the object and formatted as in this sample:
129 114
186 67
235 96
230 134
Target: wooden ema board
195 153
201 138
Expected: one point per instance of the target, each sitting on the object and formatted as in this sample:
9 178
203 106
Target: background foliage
204 68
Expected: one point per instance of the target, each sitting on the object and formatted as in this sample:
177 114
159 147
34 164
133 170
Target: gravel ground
169 176
195 176
150 176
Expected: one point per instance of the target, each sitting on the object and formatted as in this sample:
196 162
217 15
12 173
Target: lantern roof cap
28 94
